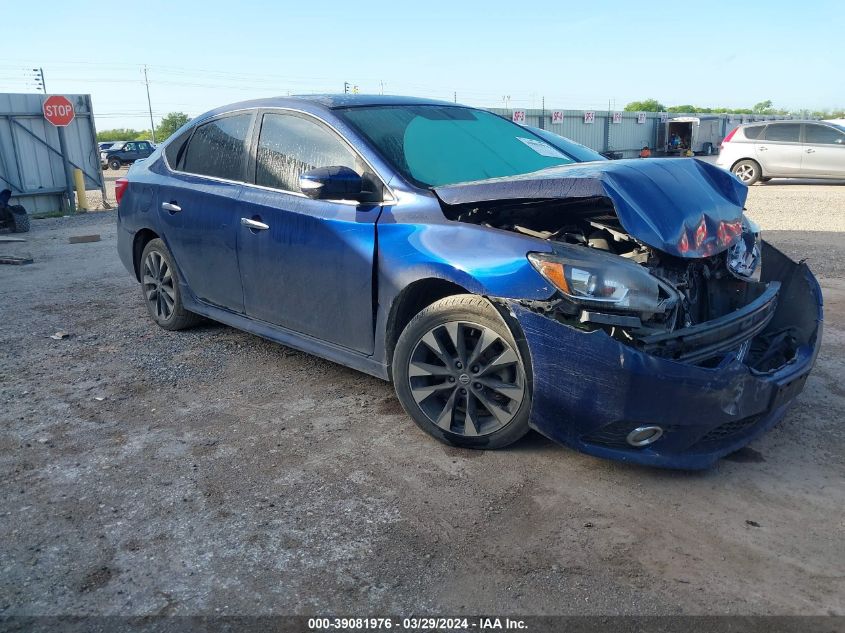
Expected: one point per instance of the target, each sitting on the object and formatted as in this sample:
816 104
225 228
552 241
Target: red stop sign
58 110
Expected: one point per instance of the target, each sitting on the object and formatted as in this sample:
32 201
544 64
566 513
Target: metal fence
30 159
627 135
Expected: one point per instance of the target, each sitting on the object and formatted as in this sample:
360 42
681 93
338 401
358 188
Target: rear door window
784 132
218 148
822 135
289 145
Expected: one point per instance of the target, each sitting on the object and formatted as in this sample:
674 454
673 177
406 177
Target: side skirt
296 340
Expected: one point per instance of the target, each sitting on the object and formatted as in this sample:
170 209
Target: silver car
784 149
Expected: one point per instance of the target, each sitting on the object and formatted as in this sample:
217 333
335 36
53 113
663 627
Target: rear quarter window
754 131
175 149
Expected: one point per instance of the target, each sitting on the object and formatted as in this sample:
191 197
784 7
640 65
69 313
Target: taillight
728 138
120 186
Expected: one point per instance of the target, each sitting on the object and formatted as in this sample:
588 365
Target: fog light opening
644 435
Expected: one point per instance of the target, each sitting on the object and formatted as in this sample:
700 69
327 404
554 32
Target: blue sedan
625 308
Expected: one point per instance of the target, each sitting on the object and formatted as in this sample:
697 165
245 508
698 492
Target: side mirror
337 183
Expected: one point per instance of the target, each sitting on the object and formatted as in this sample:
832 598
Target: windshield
579 152
435 145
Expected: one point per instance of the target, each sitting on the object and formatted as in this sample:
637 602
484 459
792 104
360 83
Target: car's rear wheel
748 171
114 163
462 376
160 286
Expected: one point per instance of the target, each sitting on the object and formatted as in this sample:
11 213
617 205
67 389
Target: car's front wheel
748 171
462 376
160 285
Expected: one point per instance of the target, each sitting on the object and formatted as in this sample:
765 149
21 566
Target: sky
569 55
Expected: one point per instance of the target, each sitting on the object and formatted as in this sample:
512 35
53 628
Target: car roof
321 102
788 121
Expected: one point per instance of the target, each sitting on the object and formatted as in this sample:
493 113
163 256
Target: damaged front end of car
673 334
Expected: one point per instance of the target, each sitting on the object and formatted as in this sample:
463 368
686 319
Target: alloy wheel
158 285
466 378
745 172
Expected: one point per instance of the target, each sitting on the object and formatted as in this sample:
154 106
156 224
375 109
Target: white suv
784 149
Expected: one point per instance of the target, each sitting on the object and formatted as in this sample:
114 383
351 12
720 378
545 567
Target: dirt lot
209 471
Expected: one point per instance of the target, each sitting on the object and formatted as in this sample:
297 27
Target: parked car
625 308
126 153
104 145
784 149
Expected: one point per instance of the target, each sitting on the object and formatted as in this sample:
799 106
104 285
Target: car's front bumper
591 390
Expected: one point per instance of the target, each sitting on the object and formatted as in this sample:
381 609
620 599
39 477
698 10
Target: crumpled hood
684 207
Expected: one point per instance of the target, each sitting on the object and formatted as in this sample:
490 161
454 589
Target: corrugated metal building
30 160
627 136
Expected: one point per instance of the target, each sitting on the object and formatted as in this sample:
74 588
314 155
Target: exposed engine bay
692 309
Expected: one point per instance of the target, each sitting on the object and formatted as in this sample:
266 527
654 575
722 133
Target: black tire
114 163
490 397
708 149
160 288
748 171
20 219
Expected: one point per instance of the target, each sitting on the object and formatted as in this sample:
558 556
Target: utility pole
543 118
381 87
38 73
507 100
455 96
346 87
150 106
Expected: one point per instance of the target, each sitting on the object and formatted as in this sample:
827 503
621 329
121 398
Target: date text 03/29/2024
416 623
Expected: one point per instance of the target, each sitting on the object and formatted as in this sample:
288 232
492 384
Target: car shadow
801 181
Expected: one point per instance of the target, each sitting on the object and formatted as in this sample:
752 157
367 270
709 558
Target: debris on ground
82 239
13 260
61 334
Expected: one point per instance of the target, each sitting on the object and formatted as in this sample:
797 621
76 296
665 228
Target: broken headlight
598 279
744 256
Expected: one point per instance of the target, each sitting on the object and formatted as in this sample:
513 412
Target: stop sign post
58 110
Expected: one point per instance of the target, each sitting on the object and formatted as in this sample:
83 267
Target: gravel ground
212 472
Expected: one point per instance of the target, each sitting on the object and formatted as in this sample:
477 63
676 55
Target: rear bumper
590 390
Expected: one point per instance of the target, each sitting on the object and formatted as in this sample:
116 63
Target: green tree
683 108
764 107
649 105
169 124
118 134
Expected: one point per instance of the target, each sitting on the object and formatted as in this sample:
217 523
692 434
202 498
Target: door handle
170 207
810 150
762 149
254 224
